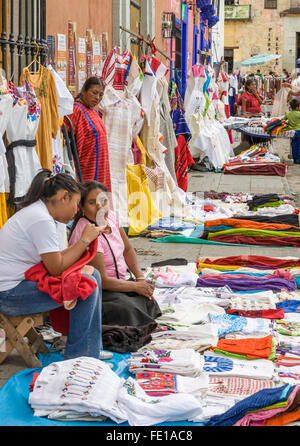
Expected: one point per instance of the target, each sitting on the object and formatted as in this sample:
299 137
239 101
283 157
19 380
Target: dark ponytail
85 190
45 185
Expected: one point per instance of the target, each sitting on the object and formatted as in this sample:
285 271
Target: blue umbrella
259 59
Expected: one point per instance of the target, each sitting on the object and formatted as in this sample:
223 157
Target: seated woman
250 100
124 302
37 233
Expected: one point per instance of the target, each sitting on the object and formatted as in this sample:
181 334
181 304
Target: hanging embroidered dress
91 143
183 157
22 127
45 90
122 116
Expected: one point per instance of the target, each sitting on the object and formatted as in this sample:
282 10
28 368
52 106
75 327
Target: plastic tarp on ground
16 411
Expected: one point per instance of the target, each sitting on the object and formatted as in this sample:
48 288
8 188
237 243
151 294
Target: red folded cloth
264 314
66 288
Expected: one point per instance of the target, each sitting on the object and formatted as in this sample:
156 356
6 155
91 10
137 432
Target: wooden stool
18 327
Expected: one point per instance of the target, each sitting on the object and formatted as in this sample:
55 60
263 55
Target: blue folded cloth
257 401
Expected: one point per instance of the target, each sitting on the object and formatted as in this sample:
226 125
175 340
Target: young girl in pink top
124 302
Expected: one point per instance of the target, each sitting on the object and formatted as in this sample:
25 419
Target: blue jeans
85 333
296 147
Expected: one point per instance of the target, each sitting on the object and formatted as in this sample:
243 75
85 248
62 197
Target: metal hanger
35 57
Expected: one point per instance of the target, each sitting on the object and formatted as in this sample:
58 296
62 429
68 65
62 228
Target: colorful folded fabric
248 284
264 314
258 241
248 260
235 223
259 400
252 348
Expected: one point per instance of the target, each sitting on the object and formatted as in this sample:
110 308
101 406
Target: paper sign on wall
72 56
62 56
82 75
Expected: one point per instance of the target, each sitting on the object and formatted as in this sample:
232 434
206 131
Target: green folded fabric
270 204
254 233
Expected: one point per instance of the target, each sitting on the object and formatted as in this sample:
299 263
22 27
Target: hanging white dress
22 126
120 113
6 106
65 102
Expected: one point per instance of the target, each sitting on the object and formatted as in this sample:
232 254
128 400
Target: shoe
110 364
105 355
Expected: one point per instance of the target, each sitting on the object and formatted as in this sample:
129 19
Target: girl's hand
90 233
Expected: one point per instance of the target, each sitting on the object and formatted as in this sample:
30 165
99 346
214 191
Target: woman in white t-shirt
38 233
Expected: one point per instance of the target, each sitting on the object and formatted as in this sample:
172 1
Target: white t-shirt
24 237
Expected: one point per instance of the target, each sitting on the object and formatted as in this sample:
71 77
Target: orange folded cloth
284 418
249 224
253 348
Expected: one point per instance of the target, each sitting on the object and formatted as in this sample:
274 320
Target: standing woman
90 133
37 233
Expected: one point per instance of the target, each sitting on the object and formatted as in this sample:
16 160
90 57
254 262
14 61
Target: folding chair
17 328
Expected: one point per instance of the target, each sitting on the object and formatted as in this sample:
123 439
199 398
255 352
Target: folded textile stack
185 362
255 161
263 408
276 127
179 315
197 337
217 296
86 387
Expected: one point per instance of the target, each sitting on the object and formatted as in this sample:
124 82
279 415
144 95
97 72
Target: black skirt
128 309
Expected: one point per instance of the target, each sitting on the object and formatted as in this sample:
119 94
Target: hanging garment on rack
166 127
45 90
116 69
194 100
6 106
183 157
91 142
142 210
121 111
171 197
65 102
22 127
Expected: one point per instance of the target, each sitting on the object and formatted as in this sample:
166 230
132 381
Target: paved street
150 252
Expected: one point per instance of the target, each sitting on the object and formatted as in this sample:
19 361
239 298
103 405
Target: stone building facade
261 27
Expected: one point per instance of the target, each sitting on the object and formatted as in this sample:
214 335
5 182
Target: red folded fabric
70 286
258 241
277 169
271 262
264 314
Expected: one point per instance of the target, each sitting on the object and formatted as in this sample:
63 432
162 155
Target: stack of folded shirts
197 337
241 325
220 365
185 362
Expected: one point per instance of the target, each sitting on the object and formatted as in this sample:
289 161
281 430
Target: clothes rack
147 42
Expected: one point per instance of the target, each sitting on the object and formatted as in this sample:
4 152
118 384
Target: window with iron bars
22 22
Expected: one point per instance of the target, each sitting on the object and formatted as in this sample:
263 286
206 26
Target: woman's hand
144 289
91 232
88 269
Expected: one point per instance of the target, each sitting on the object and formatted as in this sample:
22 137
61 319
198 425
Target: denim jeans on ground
85 334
